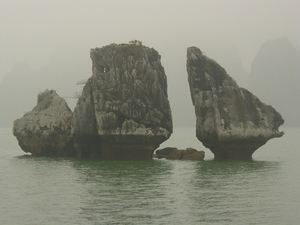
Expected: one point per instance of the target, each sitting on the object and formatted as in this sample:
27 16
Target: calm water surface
72 191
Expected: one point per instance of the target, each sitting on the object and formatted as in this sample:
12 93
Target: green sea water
40 190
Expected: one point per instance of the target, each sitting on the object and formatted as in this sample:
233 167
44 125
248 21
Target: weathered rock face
176 154
231 121
123 112
46 130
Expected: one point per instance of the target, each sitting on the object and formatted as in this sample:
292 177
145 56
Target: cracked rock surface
46 130
230 120
124 111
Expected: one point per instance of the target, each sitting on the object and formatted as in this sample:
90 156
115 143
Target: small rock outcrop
172 153
124 111
46 130
230 120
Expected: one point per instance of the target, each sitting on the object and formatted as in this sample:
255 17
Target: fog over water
46 45
51 41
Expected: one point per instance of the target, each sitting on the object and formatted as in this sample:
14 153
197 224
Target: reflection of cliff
235 168
128 171
275 77
131 187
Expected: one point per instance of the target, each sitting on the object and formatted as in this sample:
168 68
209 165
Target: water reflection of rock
129 188
227 189
237 167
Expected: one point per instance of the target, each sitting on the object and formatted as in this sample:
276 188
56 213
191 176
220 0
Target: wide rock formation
46 130
231 121
123 112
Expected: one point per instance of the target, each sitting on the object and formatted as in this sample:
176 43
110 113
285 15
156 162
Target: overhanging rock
230 120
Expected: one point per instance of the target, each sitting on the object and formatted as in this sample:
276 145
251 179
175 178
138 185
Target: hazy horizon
43 34
34 30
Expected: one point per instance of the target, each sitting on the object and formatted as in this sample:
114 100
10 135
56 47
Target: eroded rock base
237 150
230 120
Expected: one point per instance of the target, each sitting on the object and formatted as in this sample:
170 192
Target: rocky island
230 120
46 130
122 113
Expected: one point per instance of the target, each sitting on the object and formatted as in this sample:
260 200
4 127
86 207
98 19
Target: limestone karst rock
123 112
46 130
230 120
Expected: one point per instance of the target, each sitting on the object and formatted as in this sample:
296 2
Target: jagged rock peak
124 104
46 130
230 120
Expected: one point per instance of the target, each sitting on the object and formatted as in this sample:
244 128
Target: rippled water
73 191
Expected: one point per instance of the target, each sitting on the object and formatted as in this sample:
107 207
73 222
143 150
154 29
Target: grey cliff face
123 111
46 130
231 121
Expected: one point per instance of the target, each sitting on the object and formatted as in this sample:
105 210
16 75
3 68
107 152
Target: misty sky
230 31
33 30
